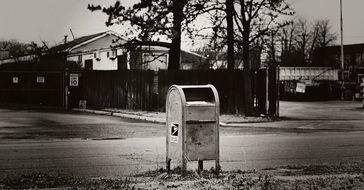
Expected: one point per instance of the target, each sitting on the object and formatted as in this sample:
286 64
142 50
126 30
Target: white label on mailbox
15 80
174 133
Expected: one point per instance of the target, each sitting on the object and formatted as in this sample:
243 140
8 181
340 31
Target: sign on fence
40 79
301 87
15 80
73 79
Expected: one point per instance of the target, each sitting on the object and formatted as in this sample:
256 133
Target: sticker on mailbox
174 132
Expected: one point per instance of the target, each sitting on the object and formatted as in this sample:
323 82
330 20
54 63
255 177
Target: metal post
200 166
342 51
66 91
277 90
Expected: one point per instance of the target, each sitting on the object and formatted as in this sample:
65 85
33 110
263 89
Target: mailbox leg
184 165
200 166
217 166
168 167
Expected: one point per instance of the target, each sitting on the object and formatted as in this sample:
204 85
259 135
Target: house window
80 59
108 54
113 53
97 56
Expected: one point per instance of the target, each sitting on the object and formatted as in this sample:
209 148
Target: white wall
104 63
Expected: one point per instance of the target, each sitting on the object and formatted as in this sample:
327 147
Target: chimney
65 39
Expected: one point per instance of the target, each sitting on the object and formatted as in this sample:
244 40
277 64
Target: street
94 145
134 155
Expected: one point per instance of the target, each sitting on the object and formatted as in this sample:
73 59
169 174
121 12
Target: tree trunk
230 34
248 98
175 50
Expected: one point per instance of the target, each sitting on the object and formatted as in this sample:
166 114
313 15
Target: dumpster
192 125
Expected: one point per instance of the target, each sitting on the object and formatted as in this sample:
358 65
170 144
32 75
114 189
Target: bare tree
326 36
254 19
16 48
300 41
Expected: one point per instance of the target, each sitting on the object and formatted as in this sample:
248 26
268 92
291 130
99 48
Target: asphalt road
134 155
94 145
47 125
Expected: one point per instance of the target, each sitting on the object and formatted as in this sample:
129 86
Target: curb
98 112
123 115
138 117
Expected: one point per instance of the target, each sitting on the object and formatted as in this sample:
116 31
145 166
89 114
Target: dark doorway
122 62
88 64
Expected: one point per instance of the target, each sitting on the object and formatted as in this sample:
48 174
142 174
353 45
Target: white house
100 52
94 52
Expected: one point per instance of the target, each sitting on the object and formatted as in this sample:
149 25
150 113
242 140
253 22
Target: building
353 66
353 60
91 52
105 51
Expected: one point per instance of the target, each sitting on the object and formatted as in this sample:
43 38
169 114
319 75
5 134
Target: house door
122 62
88 64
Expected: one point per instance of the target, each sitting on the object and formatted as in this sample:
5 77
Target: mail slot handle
200 121
203 94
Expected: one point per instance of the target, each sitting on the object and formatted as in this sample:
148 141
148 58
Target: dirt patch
341 176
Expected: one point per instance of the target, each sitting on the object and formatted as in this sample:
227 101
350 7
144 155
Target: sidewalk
226 120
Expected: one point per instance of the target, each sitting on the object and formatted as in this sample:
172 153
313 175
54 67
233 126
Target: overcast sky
50 20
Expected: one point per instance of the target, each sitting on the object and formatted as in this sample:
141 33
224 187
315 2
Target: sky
50 20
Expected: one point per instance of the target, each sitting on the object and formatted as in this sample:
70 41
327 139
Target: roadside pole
66 88
342 51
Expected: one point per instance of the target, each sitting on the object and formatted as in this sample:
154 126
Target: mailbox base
200 166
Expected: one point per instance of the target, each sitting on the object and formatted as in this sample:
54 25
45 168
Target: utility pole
342 50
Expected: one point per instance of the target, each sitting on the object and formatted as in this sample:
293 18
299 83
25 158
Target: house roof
79 41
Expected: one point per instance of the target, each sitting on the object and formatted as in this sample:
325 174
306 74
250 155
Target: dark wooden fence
136 89
147 90
229 85
125 89
32 88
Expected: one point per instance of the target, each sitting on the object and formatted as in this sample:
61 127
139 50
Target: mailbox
192 125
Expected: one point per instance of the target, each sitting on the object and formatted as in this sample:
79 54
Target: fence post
155 90
266 90
273 99
66 89
29 81
278 88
